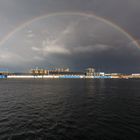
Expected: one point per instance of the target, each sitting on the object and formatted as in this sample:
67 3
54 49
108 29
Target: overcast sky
70 37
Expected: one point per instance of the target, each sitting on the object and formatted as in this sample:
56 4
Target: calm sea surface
69 109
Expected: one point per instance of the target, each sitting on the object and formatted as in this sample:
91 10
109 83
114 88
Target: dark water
69 109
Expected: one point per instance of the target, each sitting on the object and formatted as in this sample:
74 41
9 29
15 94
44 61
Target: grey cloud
70 41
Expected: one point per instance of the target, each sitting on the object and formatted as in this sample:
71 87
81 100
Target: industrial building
66 73
90 72
56 71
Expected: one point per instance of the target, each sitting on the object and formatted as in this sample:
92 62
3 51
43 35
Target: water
69 109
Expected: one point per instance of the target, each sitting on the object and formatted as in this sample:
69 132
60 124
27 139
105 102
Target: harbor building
39 72
90 72
62 70
65 73
135 75
3 73
56 72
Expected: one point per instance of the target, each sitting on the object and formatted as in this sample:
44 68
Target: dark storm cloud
99 47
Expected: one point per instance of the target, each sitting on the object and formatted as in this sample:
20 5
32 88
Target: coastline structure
65 73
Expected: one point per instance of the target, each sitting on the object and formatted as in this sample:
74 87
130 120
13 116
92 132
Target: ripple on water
69 109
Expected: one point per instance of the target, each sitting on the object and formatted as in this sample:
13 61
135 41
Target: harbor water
69 109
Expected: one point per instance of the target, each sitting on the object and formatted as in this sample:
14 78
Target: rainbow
20 27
